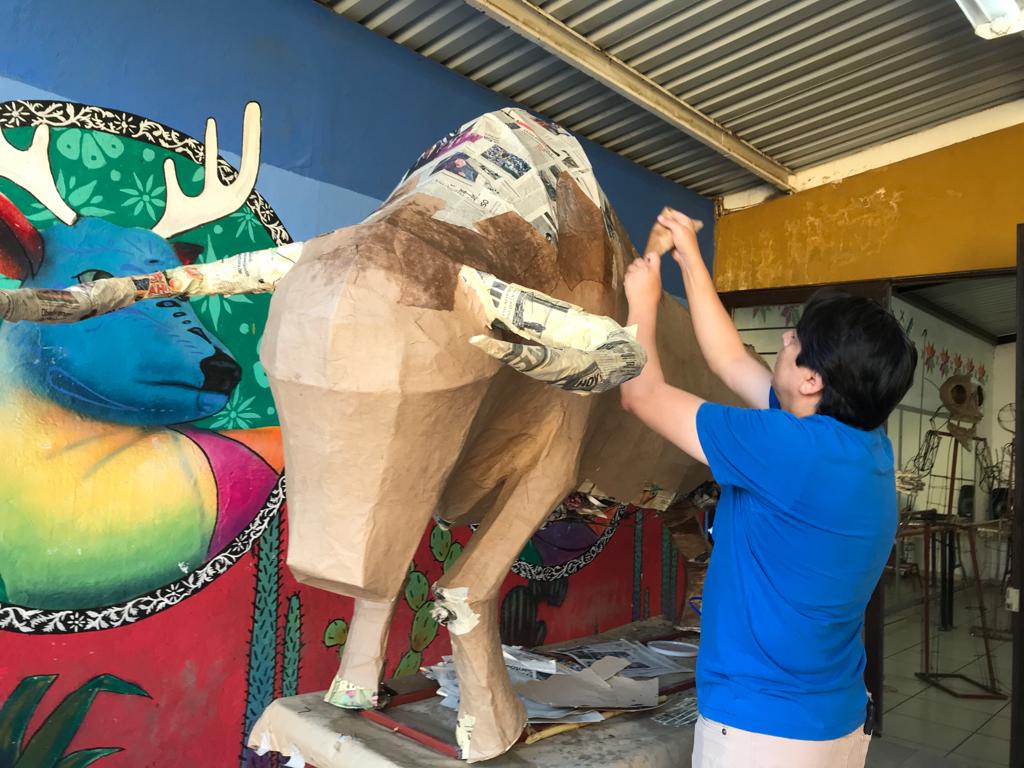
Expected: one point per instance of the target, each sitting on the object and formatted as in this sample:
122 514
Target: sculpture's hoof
348 696
489 736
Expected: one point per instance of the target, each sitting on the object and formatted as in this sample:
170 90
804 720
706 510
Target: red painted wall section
193 660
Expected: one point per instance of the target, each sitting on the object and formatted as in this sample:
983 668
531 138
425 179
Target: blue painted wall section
341 105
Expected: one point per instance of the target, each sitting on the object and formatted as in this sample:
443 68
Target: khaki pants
722 746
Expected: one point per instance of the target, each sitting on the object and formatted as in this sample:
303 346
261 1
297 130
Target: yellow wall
951 210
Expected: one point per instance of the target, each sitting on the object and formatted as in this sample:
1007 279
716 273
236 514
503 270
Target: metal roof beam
545 30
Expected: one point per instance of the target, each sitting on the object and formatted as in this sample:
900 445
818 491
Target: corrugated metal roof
988 304
804 81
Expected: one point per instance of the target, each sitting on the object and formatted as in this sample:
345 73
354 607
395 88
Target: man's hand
684 235
643 283
717 336
670 412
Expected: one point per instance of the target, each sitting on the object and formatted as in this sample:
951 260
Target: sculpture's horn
251 272
574 350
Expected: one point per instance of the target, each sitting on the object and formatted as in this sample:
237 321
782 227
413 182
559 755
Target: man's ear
812 384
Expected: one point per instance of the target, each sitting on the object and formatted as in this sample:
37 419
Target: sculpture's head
515 161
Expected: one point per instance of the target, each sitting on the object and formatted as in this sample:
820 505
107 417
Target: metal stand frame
989 691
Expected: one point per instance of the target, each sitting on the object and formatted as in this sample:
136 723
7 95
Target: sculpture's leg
356 684
365 471
491 716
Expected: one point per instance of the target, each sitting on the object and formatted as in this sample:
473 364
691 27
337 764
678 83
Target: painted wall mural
146 614
115 413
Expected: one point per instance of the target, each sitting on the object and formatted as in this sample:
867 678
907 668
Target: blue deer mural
108 493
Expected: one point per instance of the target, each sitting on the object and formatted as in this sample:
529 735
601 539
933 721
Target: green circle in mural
139 434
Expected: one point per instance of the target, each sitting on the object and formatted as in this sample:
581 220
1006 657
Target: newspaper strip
575 350
249 272
505 161
642 663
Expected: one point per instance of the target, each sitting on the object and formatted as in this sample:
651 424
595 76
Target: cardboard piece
598 686
389 414
686 520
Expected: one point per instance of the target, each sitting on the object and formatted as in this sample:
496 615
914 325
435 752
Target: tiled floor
925 727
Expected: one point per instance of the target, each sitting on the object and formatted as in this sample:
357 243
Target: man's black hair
863 356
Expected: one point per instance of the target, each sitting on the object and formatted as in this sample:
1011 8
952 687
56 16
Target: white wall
762 327
1001 390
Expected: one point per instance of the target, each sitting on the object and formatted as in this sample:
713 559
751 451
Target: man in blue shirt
806 517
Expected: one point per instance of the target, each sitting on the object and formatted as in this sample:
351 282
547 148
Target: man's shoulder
769 421
851 452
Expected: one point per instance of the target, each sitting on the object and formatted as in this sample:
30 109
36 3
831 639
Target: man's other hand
643 282
684 235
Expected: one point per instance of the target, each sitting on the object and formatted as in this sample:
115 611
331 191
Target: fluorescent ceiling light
994 18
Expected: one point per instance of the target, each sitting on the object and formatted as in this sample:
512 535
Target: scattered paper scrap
523 666
553 692
520 659
641 662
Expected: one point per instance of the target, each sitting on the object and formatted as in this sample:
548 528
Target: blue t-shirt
803 529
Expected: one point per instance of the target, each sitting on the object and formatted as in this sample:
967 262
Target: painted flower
944 362
247 223
78 196
958 363
237 414
123 125
175 593
15 113
143 195
969 368
929 356
982 374
77 622
93 148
